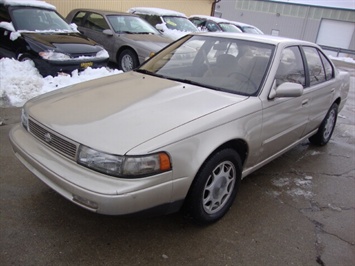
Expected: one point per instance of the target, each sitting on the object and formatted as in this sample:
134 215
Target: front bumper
89 189
46 67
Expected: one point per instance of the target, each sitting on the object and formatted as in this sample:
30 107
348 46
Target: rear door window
328 68
315 66
96 22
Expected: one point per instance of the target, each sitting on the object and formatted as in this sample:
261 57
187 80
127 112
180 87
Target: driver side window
96 22
291 67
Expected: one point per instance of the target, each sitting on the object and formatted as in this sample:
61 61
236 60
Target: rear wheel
214 188
326 129
127 60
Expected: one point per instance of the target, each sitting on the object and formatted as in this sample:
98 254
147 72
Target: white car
209 23
182 130
247 28
170 23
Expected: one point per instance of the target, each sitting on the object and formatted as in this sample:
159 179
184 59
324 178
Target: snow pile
21 81
299 187
155 11
344 59
34 3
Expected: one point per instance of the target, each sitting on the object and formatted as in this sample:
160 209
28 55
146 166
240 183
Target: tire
214 188
326 129
127 60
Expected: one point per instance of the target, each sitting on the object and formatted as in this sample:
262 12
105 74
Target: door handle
304 102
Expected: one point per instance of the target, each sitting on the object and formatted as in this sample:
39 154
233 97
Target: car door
92 25
320 92
284 118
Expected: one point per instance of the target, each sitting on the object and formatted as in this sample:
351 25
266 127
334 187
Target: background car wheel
214 188
326 129
127 60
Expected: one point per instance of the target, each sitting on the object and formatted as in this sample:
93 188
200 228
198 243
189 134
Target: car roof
275 40
27 3
102 12
215 19
156 11
241 23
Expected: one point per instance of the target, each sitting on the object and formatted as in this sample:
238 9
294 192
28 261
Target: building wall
189 7
289 20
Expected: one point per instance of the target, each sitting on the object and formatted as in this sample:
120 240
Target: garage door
335 33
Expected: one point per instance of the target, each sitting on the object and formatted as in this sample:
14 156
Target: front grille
53 140
77 55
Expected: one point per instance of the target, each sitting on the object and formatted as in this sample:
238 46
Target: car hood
119 112
70 43
148 42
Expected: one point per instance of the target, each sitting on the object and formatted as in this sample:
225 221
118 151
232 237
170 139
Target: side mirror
160 27
286 89
74 27
108 32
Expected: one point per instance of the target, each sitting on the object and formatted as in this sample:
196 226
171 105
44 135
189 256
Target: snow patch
155 11
345 59
298 192
299 187
7 26
21 81
34 3
281 182
315 153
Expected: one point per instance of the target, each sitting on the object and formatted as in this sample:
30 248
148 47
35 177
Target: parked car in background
184 128
170 23
208 23
33 30
128 39
247 28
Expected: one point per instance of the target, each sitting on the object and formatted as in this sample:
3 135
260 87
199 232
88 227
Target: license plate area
86 64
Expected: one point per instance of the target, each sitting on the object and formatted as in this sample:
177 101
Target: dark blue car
38 33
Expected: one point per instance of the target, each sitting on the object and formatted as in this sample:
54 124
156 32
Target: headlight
24 118
51 55
124 166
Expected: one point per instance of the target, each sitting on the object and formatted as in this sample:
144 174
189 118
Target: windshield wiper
191 82
127 32
144 32
188 81
144 71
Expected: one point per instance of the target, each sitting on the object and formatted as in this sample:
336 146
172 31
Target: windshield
252 30
229 27
131 24
225 64
179 23
36 19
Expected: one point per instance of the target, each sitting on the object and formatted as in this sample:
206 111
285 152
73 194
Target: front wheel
127 60
215 187
326 129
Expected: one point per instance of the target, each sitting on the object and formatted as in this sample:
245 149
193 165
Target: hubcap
329 125
219 187
127 63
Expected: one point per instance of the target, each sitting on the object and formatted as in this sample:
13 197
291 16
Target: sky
331 3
